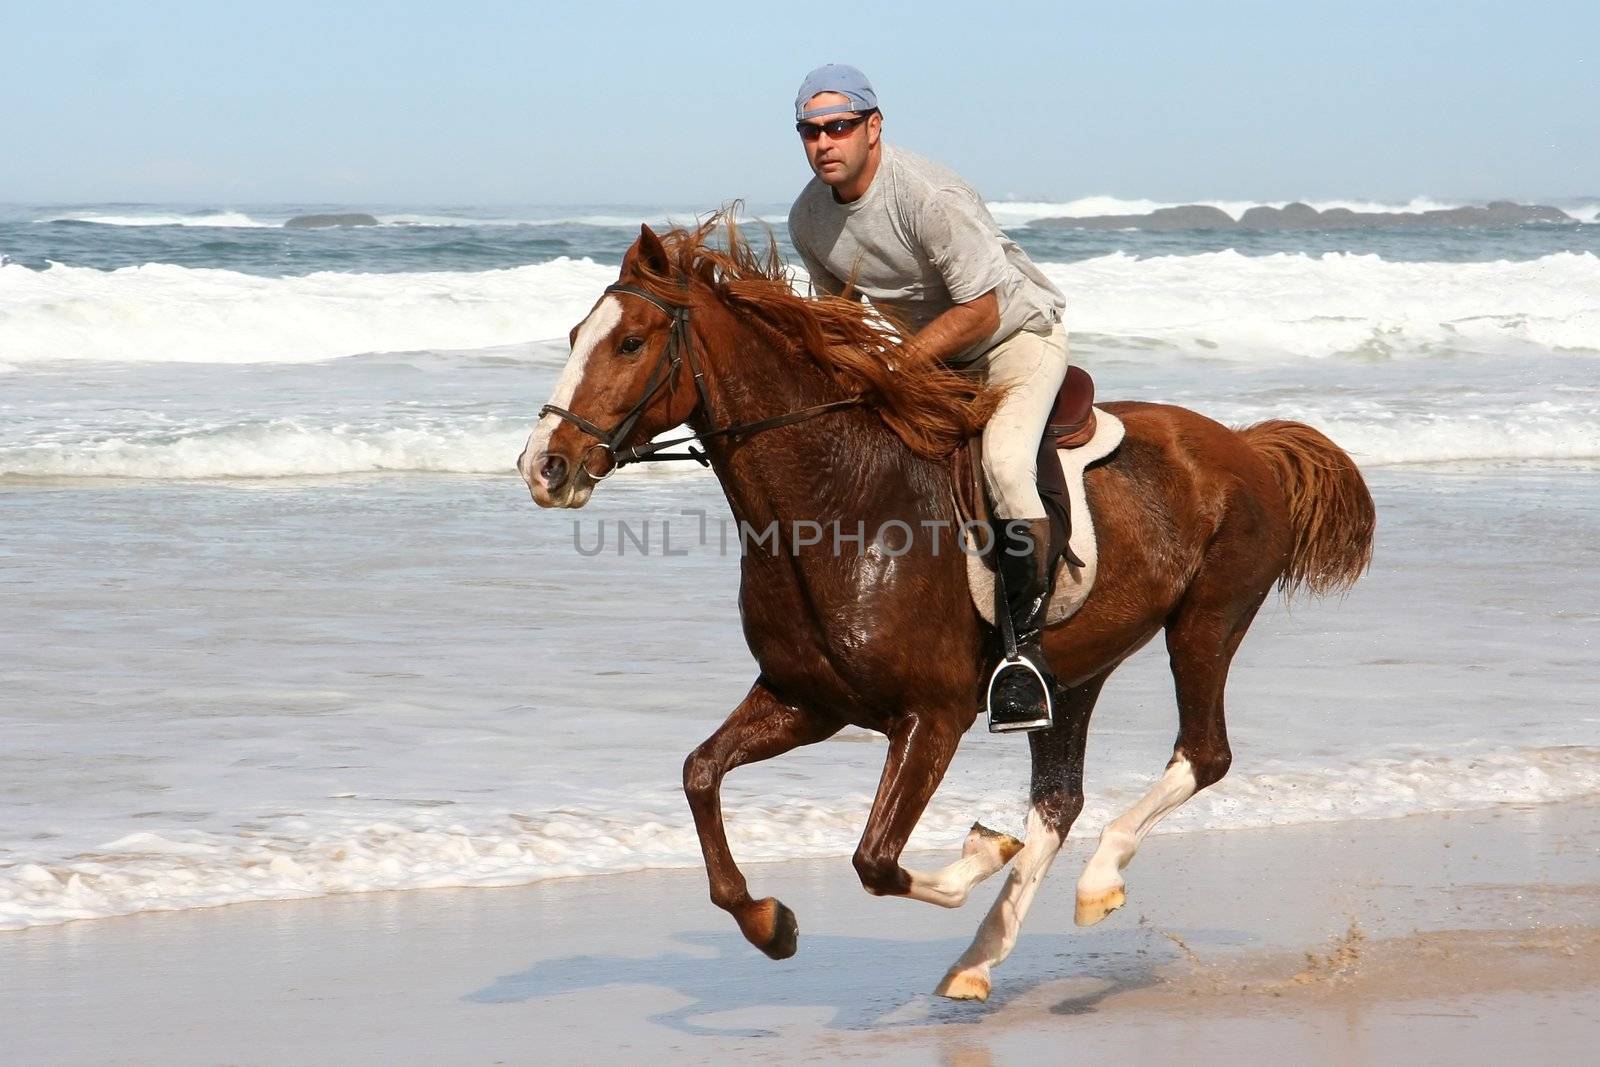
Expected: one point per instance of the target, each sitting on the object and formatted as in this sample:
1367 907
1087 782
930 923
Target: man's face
840 160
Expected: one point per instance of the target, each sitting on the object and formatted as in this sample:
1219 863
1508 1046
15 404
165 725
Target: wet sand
1464 938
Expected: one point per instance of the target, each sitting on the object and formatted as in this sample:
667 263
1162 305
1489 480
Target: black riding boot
1019 698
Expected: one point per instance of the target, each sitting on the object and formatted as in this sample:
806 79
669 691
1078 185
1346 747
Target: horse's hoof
980 837
971 983
1092 907
784 936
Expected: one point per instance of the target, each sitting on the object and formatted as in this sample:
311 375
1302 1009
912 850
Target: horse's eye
630 345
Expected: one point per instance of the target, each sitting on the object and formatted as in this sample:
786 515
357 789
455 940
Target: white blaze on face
601 321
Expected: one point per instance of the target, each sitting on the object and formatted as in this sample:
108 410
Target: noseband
679 348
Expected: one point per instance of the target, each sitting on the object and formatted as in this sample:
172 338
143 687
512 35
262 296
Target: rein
679 347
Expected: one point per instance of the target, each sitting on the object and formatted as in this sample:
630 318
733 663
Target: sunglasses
835 129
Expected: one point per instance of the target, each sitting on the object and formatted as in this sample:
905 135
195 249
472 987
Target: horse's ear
652 253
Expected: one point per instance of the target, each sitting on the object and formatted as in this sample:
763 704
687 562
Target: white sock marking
949 886
1122 836
998 933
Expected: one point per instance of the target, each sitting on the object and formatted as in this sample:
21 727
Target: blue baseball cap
835 78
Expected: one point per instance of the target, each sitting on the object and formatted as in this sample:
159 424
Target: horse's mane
928 406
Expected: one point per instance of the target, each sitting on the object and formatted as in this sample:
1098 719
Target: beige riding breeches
1032 366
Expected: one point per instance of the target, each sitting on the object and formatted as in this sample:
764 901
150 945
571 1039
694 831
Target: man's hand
955 331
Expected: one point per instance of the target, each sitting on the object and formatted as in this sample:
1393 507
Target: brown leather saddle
1072 419
1071 424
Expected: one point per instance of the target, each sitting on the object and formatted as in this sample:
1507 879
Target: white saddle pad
1072 583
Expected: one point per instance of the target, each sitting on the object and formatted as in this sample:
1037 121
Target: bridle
679 347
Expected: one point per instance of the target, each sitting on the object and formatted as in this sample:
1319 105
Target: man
913 237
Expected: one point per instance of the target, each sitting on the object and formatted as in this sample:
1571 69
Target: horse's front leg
920 748
759 728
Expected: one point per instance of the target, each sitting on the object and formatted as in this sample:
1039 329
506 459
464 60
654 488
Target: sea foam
165 313
1219 305
313 853
1281 307
290 448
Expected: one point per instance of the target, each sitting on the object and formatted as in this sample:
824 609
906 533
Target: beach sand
1464 938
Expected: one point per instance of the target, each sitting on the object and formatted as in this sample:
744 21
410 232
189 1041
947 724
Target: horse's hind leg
1057 795
1201 641
759 728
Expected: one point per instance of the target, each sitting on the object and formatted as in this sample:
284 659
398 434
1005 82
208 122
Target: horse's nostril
553 472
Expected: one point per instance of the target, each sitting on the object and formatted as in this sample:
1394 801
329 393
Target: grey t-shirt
919 241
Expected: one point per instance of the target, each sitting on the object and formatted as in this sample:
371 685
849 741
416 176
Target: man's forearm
956 330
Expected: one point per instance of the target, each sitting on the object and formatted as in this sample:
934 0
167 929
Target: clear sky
690 103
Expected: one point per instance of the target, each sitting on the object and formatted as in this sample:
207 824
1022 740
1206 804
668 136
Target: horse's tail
1330 510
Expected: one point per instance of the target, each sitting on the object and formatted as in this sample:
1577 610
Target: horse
809 410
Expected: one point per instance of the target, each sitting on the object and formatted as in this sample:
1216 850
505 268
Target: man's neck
857 189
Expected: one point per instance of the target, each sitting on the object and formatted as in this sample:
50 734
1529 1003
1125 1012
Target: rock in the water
1506 213
1296 216
318 222
1299 216
1189 217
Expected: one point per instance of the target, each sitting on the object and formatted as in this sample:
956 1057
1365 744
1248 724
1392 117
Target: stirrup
1018 697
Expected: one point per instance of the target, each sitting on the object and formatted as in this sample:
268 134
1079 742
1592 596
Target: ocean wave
283 448
164 313
288 448
313 854
239 220
606 220
424 220
292 448
1218 305
1287 306
217 219
1512 434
